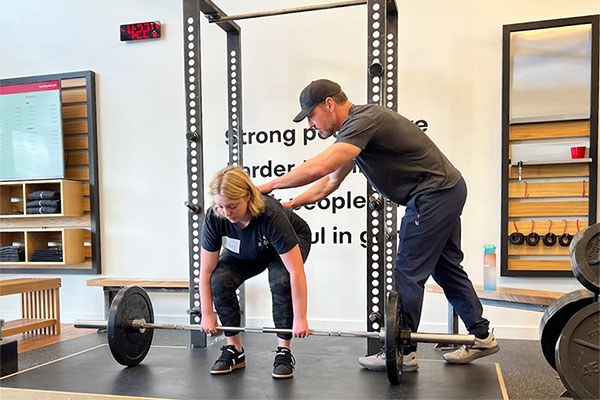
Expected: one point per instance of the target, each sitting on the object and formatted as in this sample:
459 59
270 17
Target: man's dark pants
429 245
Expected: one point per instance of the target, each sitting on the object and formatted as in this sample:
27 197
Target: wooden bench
40 305
112 286
522 299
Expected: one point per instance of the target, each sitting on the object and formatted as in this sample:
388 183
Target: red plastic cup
578 152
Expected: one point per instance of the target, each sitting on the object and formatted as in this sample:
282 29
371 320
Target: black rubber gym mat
326 368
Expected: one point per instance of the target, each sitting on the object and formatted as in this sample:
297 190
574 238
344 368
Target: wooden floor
28 341
28 394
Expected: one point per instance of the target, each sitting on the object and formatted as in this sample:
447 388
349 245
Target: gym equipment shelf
545 196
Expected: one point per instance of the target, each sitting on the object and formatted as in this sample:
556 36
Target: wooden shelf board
542 162
23 285
158 282
528 296
46 265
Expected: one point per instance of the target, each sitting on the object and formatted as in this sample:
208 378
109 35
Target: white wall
449 75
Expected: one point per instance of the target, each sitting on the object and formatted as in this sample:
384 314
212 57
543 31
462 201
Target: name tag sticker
231 244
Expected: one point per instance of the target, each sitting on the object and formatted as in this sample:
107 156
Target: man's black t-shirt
397 158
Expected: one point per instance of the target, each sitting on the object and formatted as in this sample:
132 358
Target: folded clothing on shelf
44 195
43 203
53 254
43 210
12 254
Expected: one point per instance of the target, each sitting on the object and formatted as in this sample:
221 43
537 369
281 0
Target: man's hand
288 204
265 188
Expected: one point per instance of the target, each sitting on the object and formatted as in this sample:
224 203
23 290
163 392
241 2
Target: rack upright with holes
382 30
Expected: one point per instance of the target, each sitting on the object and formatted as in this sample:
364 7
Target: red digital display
140 31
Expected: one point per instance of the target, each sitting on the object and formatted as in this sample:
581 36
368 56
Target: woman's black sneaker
230 359
283 366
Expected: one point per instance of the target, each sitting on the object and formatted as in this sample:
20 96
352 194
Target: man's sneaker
283 366
468 353
230 359
410 362
376 362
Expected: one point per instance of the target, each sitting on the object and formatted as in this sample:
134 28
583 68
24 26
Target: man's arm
329 160
322 188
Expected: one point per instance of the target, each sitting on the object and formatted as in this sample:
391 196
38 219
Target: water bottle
489 267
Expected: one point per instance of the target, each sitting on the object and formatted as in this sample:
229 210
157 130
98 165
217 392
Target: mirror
551 74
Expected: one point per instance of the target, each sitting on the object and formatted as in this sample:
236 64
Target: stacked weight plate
570 327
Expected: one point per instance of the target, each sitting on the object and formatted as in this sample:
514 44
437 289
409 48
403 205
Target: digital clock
140 31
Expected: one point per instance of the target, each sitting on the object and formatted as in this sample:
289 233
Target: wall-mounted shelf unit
72 223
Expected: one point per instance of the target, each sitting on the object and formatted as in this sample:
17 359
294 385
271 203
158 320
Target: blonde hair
233 183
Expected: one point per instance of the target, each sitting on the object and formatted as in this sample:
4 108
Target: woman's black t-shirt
271 233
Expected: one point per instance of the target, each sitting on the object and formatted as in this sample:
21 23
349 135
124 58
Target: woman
256 233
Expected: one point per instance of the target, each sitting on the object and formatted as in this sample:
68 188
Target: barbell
130 327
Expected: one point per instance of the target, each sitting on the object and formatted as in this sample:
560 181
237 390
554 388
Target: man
405 166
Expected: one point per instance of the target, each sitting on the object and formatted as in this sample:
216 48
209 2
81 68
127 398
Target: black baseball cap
313 94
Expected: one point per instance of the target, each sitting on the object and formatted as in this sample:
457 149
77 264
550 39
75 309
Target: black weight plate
555 318
578 353
393 353
585 257
129 346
